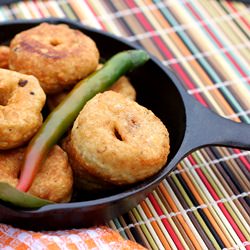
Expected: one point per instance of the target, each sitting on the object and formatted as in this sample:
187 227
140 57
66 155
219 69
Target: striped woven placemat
204 203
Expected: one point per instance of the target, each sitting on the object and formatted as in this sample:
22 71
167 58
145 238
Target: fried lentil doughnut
122 86
53 181
4 57
57 55
21 102
83 180
115 140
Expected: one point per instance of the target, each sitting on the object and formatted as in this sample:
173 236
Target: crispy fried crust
116 140
4 57
57 55
21 102
54 180
82 178
124 87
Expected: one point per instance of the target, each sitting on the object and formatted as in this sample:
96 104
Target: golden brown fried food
57 55
54 100
82 178
21 102
122 86
4 57
115 140
54 181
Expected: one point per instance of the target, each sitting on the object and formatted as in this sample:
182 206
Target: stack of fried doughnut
53 182
21 103
114 141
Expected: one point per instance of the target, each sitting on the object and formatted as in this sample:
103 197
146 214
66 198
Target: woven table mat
204 203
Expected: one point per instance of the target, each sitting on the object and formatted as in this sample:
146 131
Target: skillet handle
205 128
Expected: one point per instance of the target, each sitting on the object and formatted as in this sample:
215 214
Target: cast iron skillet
190 126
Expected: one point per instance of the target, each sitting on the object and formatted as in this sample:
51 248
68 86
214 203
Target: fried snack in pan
122 86
83 180
56 54
21 102
117 141
4 57
53 182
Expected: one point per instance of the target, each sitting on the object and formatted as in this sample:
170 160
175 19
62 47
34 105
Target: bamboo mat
205 202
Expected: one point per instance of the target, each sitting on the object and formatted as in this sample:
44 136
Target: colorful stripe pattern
205 202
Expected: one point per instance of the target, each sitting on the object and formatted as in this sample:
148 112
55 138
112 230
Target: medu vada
56 54
54 180
4 57
21 103
83 180
122 86
116 141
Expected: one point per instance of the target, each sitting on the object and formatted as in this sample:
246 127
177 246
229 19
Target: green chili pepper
20 199
63 116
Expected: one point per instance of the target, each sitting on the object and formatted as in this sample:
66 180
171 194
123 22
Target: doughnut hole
55 42
117 134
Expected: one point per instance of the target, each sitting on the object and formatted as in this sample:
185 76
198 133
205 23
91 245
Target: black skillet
190 125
